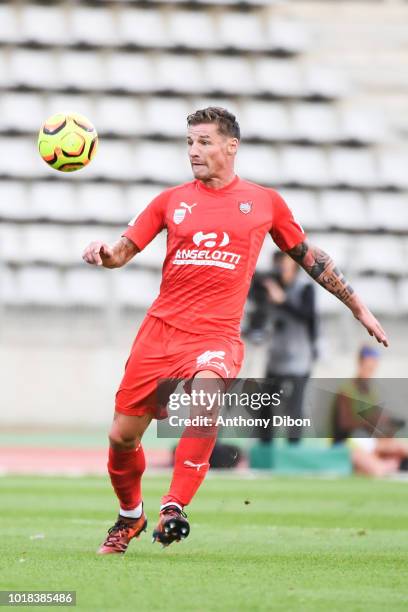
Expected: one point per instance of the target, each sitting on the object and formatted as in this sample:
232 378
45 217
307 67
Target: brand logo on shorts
245 207
209 357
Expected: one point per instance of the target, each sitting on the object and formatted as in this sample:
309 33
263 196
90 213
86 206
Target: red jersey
213 241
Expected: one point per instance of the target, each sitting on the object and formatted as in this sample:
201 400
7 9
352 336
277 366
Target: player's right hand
97 253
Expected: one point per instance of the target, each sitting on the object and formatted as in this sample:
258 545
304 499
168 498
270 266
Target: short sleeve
150 222
285 231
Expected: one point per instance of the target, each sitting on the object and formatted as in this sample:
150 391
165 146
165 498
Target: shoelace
114 532
174 509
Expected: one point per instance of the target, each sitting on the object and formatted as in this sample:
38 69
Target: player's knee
122 440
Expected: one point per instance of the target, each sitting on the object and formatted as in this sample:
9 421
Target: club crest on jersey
178 215
245 207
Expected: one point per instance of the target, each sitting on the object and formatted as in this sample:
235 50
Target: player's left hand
371 324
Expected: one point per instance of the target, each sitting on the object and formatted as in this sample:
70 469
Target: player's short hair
226 122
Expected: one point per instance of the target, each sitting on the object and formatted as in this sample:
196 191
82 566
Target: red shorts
161 351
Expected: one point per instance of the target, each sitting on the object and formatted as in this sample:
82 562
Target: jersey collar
200 185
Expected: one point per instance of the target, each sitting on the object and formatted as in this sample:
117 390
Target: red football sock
190 465
126 468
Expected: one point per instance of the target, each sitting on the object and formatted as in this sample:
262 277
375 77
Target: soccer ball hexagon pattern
67 141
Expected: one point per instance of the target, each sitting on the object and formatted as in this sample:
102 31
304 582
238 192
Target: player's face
211 153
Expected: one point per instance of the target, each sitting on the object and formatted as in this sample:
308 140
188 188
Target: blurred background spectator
359 418
285 315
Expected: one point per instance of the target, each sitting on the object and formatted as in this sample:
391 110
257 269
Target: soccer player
215 227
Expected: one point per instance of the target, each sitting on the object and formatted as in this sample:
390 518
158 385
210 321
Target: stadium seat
227 75
238 30
388 211
361 126
46 25
379 294
80 237
278 77
82 70
45 244
114 161
305 166
132 72
19 148
259 163
39 286
232 104
13 200
87 287
315 122
93 26
353 167
8 286
10 243
10 31
402 293
119 115
33 69
137 197
265 120
345 210
192 29
56 201
336 245
142 27
285 36
166 117
162 163
4 69
154 254
102 203
22 112
380 255
136 288
79 103
327 304
305 207
393 168
179 73
324 83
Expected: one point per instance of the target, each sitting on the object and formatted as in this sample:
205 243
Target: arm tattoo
123 250
321 267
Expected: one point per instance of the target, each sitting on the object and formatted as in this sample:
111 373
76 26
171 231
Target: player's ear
233 146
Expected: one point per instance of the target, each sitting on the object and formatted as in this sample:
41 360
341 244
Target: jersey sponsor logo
210 239
245 207
209 256
180 213
208 359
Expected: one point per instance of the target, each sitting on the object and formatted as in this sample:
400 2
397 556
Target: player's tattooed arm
101 254
320 266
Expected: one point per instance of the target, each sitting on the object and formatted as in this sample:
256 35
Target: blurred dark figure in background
285 299
358 417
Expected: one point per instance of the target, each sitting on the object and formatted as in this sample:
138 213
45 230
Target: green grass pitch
299 544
